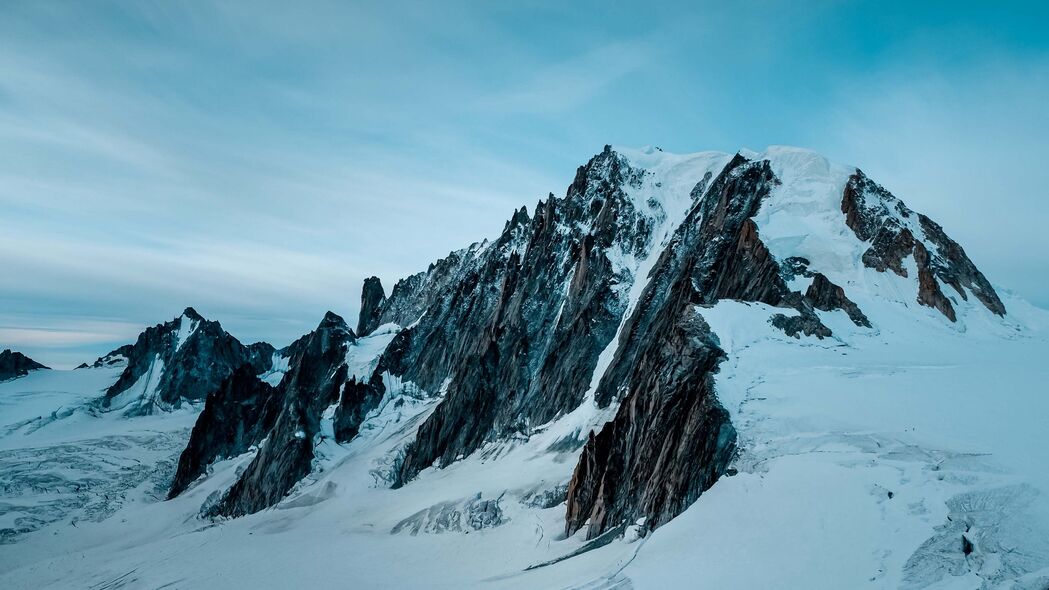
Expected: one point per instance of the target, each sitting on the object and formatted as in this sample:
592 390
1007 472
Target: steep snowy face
836 221
181 360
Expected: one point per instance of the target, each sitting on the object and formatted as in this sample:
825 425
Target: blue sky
258 160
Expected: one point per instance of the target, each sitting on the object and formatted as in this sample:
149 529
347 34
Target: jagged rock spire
372 299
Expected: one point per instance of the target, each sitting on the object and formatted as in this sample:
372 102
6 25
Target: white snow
144 391
279 366
363 355
64 462
186 328
828 429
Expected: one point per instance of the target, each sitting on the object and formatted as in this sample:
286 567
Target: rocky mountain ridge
14 364
593 303
179 361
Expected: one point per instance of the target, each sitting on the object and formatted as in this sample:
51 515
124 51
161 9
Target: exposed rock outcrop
236 416
715 254
358 398
671 438
181 360
826 296
318 371
951 265
372 299
669 442
519 329
117 357
15 364
361 397
895 232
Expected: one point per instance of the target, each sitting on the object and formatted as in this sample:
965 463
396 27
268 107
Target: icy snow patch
144 391
278 367
186 328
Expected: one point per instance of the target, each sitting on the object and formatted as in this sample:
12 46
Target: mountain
596 300
178 361
617 273
723 370
16 364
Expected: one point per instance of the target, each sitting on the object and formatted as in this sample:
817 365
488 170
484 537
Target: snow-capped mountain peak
689 352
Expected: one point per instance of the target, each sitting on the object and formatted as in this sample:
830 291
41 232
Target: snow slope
947 423
62 461
857 450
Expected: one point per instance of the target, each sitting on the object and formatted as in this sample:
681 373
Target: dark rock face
236 416
929 293
318 371
715 254
669 442
115 357
245 411
953 267
671 439
16 364
373 297
358 398
804 323
184 359
875 215
826 296
518 324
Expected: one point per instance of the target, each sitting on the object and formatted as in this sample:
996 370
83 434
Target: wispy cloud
570 83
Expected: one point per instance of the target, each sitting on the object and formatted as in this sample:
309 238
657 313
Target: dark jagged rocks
929 293
518 331
671 438
826 296
316 375
875 215
115 357
246 411
15 364
184 359
669 442
236 416
372 299
714 254
821 294
806 323
358 398
953 267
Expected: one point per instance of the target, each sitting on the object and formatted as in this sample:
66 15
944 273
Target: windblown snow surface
909 455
